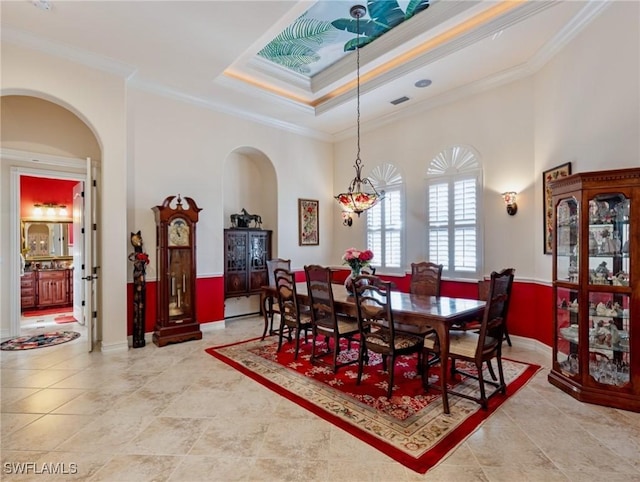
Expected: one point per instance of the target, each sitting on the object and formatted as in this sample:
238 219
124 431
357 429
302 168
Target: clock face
178 233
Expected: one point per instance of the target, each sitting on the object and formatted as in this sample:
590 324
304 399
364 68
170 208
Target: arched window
385 221
454 187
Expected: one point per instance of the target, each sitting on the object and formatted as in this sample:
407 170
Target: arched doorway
250 183
46 141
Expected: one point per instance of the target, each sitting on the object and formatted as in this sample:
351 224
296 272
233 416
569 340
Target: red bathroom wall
43 190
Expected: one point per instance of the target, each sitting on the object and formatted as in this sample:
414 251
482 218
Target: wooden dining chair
426 278
325 321
483 294
270 304
293 319
425 281
377 328
478 347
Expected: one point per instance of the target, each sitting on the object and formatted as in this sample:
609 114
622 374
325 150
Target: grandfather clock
176 272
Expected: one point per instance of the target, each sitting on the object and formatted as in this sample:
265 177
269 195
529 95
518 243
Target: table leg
265 312
443 337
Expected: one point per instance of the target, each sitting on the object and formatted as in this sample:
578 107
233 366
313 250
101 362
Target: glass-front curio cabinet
596 287
176 270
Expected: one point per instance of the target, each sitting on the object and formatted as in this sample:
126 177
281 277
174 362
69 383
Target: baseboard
114 347
532 344
213 326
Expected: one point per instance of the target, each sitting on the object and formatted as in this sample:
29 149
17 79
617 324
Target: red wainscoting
209 308
530 312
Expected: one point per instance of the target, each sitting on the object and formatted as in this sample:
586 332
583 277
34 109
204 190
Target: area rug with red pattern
410 427
41 340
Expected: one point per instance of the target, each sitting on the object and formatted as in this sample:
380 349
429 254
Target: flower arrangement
357 259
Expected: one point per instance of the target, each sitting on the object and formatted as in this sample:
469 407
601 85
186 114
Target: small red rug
410 427
48 311
64 319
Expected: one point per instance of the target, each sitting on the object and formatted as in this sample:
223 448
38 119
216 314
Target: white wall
587 104
498 125
182 148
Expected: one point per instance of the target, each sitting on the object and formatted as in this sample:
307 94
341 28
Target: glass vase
348 282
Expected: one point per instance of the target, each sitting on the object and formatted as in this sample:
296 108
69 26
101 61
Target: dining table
440 313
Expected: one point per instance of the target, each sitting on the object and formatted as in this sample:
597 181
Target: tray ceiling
215 53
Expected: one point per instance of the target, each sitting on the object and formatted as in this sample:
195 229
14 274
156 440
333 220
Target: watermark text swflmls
44 468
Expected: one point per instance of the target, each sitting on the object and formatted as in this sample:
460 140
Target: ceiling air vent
400 100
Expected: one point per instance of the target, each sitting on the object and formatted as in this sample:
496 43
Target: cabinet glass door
180 305
568 334
567 230
609 240
609 354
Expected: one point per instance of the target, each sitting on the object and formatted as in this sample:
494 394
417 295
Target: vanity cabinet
596 300
52 288
28 290
46 288
246 252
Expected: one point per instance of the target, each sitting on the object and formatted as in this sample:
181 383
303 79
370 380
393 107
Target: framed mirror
44 239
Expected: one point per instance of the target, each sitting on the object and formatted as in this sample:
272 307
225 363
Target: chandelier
356 199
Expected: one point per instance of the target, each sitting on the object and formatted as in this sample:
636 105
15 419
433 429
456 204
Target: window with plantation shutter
385 223
454 180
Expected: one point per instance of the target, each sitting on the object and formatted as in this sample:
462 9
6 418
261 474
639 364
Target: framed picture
553 174
308 228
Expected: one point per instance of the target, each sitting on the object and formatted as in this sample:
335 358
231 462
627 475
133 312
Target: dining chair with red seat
377 328
294 319
478 347
325 321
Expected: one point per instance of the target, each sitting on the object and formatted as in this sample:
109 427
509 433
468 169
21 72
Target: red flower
142 257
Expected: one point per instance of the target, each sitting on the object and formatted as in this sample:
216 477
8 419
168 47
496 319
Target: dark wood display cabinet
176 270
246 252
596 275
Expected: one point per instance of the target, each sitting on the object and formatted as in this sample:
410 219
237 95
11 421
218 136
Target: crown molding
280 73
584 17
24 39
239 85
167 92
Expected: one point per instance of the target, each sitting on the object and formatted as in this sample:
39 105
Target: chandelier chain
358 161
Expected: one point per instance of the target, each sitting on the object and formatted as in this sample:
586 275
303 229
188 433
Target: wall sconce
510 201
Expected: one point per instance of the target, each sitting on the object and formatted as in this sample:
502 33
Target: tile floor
177 414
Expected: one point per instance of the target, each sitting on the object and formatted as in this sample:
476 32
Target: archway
250 183
43 139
